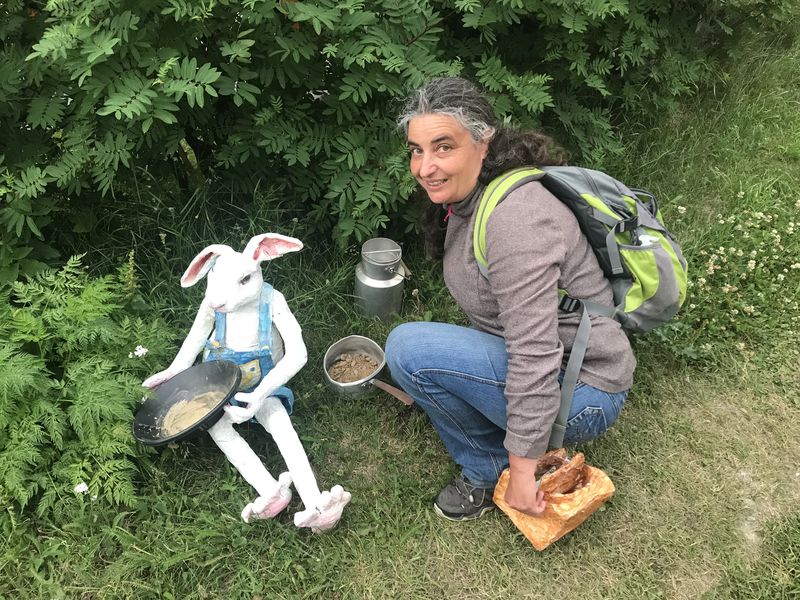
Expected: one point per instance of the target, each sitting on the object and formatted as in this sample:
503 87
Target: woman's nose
427 165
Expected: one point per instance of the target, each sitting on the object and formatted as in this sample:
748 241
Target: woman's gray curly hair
454 97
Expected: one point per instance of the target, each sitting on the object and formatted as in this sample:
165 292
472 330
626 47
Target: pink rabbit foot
266 507
327 513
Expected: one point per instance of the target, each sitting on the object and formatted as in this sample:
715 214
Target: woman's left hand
522 492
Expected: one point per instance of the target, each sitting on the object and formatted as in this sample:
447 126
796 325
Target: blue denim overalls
254 364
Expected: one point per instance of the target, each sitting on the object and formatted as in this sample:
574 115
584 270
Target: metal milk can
379 278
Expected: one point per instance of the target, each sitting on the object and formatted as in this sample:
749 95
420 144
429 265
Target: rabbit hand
240 414
160 377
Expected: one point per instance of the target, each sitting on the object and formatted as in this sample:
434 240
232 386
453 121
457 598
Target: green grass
704 457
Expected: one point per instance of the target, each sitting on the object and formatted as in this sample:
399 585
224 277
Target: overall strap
265 318
219 328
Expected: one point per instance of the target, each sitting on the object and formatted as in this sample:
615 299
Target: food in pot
351 366
185 413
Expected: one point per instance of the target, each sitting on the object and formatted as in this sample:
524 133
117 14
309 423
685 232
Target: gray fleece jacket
535 247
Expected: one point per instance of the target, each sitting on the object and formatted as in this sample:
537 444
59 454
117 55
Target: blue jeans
457 376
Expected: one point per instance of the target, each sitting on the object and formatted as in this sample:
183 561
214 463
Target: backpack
636 252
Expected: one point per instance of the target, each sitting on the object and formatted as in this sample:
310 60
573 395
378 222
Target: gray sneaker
461 501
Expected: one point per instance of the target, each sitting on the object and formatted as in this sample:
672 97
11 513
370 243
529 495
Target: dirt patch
351 367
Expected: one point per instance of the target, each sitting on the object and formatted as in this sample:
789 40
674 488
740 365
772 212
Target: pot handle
393 391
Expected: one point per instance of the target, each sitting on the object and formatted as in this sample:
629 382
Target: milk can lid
381 251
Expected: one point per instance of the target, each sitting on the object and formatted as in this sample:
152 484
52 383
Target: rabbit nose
215 306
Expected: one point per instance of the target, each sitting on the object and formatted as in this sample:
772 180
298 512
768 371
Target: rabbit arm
194 342
295 355
196 339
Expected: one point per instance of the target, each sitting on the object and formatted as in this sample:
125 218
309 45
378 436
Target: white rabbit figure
233 322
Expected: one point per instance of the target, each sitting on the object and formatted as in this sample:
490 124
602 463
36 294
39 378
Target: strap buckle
569 304
627 224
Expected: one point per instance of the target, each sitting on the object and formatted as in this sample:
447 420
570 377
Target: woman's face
445 160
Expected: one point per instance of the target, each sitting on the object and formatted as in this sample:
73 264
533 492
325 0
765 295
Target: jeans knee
400 341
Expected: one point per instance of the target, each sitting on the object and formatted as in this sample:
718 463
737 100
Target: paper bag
564 511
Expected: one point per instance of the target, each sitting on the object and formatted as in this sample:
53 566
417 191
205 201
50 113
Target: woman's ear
484 148
485 141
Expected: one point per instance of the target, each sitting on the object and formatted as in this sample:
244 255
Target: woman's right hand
522 493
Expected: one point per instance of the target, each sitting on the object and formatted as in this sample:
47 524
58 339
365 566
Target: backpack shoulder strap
497 189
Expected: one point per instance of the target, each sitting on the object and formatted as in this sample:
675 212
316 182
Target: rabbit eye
244 280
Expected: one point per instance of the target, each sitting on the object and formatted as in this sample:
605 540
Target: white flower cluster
754 257
138 352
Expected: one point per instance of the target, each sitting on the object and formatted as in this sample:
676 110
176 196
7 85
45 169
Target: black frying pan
220 377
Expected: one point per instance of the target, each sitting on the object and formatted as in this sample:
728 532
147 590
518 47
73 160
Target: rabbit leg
323 509
273 496
326 513
273 417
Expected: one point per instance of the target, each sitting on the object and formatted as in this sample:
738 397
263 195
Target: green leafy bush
73 361
302 94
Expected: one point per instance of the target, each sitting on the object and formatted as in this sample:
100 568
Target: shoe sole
471 517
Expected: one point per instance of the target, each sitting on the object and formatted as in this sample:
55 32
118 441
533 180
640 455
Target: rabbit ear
270 245
202 263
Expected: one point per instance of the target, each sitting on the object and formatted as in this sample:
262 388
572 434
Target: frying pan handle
393 391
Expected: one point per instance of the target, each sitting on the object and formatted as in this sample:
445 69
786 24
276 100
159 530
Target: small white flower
81 488
681 209
740 346
140 351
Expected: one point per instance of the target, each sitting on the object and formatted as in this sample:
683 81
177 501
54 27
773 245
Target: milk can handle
401 269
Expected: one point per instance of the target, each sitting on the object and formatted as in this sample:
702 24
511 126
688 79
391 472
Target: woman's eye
245 279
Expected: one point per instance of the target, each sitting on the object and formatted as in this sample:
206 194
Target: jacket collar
467 206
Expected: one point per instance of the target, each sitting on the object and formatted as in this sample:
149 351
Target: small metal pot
358 344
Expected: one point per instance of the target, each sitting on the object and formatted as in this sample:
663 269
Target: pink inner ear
273 247
194 270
